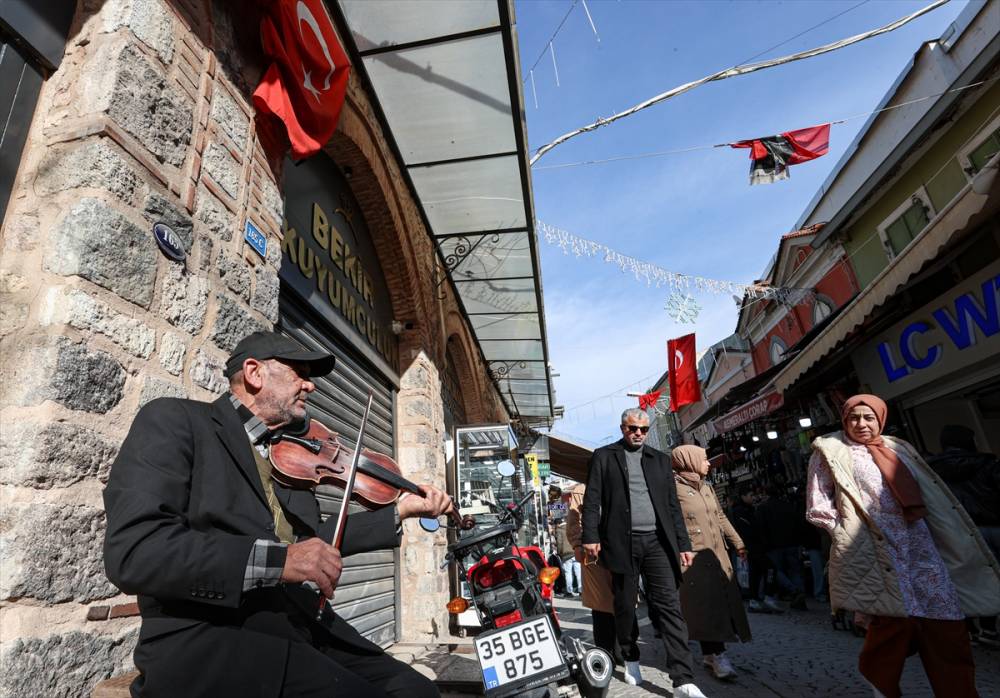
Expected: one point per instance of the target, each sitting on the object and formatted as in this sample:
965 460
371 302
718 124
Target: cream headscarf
690 462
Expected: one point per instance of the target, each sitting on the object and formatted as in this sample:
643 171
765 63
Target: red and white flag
649 399
300 96
682 376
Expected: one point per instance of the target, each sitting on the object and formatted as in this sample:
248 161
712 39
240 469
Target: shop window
981 149
906 223
777 350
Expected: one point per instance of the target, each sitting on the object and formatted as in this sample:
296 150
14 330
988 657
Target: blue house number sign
256 239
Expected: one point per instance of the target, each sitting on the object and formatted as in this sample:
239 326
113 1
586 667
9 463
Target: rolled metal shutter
367 595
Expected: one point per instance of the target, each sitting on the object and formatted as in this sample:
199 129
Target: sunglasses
633 428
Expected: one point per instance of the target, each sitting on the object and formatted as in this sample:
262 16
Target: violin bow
338 532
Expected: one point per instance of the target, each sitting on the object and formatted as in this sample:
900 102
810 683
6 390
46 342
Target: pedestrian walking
633 522
905 554
744 520
568 562
710 597
596 593
780 530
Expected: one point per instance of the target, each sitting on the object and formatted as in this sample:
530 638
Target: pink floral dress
923 578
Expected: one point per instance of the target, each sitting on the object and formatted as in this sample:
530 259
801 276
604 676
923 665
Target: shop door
367 595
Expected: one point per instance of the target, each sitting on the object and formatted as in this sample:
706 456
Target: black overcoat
607 518
184 507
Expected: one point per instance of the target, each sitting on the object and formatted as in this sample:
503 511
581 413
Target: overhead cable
736 71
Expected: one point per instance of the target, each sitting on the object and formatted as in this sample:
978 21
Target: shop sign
329 259
955 331
764 405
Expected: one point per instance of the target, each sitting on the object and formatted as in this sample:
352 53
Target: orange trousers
943 646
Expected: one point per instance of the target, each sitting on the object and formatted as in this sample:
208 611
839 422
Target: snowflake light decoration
682 307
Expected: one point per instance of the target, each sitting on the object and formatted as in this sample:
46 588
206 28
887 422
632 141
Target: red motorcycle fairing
485 575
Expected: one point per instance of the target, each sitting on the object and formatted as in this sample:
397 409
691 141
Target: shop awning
952 219
447 84
568 459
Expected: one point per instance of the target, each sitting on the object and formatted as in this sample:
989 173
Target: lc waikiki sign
957 331
329 260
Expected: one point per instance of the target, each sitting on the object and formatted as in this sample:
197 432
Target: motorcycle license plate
520 657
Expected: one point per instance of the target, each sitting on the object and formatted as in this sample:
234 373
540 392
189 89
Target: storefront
334 297
940 365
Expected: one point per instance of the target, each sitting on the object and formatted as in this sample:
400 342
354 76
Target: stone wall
148 120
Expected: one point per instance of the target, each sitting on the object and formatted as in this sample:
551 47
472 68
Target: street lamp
805 422
772 435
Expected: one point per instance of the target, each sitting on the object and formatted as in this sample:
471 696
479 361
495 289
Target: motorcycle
521 648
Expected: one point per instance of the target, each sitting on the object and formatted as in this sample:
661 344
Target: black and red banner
773 155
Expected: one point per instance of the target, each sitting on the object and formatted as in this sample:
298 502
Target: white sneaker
688 690
720 665
633 677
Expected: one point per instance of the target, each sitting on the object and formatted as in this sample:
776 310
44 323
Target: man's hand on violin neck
434 503
313 560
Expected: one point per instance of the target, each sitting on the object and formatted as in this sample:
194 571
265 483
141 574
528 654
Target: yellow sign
533 464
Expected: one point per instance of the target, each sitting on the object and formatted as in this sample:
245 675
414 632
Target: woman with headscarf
710 595
905 555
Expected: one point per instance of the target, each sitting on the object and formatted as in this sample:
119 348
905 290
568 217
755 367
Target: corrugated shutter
367 594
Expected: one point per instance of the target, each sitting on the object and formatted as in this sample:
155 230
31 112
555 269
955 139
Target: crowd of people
906 545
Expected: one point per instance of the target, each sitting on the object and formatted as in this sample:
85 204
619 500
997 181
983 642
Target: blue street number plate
256 239
519 657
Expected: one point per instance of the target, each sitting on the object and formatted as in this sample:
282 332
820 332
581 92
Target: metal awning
446 79
568 458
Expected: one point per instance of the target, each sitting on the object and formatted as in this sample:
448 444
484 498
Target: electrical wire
545 46
734 72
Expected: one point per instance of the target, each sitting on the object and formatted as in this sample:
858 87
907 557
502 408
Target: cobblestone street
793 655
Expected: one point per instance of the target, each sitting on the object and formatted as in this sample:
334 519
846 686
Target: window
905 223
981 148
821 310
778 348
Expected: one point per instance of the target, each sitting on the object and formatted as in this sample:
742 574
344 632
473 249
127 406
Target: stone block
148 20
67 665
205 246
43 455
218 221
265 293
273 202
184 299
60 370
154 387
13 316
235 273
94 163
206 371
53 553
230 118
120 81
97 243
232 323
77 309
172 351
160 209
221 166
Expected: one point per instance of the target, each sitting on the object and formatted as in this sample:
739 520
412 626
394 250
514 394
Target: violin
319 456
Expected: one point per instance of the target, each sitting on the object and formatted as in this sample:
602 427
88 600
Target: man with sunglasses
632 522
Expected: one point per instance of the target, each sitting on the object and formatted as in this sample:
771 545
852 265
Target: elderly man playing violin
226 562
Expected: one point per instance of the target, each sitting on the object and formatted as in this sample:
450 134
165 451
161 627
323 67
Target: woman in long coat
905 554
710 595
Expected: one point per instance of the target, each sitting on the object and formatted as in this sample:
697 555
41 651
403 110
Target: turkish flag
682 376
300 95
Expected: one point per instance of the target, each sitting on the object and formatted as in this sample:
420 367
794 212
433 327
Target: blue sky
692 213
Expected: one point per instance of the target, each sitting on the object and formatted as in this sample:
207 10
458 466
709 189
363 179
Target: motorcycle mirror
506 468
430 525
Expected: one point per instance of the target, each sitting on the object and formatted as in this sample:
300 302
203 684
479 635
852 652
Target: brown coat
596 579
710 596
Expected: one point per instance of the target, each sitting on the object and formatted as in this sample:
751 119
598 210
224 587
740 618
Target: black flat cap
271 345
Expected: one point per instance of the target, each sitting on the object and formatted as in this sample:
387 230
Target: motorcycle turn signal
457 605
548 575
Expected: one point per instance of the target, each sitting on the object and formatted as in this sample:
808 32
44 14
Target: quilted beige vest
862 577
